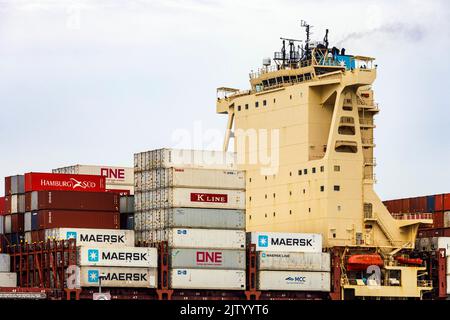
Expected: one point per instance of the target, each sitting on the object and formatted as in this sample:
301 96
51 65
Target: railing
273 68
412 216
348 120
367 140
370 161
370 176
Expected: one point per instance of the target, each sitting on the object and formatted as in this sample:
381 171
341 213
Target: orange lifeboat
409 261
360 262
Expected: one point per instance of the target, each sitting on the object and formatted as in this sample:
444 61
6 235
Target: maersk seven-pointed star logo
71 235
263 241
93 255
93 276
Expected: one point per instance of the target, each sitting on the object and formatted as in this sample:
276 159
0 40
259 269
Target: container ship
289 213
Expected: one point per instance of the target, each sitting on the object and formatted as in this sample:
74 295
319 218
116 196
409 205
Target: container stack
194 201
53 201
8 279
14 208
118 179
109 258
291 262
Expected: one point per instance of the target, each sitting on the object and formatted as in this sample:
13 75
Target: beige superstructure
323 108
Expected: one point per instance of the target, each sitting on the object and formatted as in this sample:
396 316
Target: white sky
95 81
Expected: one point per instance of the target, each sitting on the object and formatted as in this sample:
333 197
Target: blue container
130 222
430 204
34 221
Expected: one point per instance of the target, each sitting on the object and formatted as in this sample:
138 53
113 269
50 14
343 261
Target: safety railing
412 216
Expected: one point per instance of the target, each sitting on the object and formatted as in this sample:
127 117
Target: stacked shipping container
118 179
438 205
14 210
195 202
8 279
291 262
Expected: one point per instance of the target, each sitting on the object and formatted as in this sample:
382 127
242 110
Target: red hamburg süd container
7 186
49 219
63 182
72 200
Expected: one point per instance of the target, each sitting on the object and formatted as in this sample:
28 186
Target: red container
406 206
438 219
17 222
7 204
388 205
119 192
2 206
442 202
71 200
7 186
38 236
49 219
64 182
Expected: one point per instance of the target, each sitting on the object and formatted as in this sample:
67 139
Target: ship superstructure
320 102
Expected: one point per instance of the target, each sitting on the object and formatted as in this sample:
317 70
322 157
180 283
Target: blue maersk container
430 203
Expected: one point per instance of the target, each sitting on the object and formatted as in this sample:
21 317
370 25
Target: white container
192 198
293 261
2 224
194 178
448 284
286 242
444 243
167 158
207 259
8 279
5 262
118 257
14 203
294 281
120 187
118 277
8 225
27 221
447 219
97 237
27 237
202 238
448 264
207 279
192 218
114 175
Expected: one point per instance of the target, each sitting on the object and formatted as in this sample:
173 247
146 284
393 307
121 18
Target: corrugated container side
286 242
118 277
201 238
294 281
430 204
208 279
118 257
35 181
2 206
8 224
207 259
5 262
406 205
293 261
49 219
93 237
114 175
8 279
2 225
194 218
27 222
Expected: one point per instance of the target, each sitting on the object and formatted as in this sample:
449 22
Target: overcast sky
95 81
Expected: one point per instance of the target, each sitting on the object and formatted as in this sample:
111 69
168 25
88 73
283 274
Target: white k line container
293 261
194 198
286 242
194 178
118 277
294 281
207 279
8 279
193 218
203 238
5 263
118 257
207 259
114 175
97 237
167 158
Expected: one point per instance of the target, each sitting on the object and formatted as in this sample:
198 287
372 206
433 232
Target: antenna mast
308 27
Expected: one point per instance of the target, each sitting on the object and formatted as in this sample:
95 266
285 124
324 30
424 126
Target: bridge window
264 103
239 108
322 168
246 106
337 188
314 170
337 168
305 171
322 188
256 104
